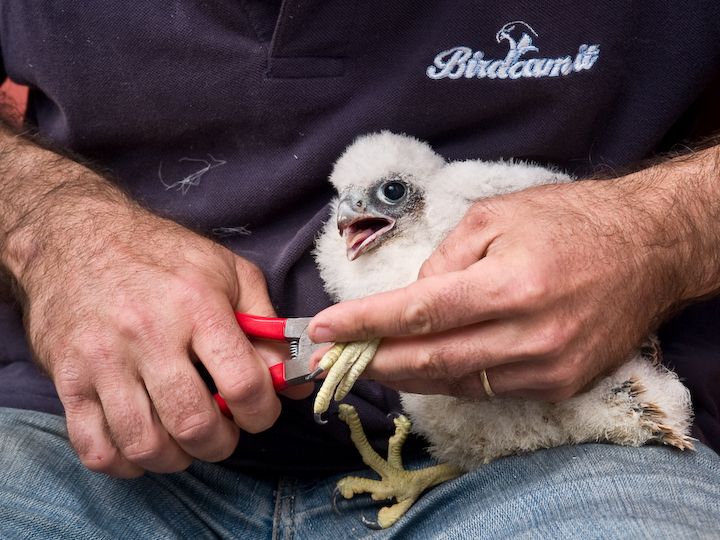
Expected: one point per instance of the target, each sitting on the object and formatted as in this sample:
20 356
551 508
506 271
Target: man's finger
434 304
254 297
466 244
454 353
523 379
89 436
240 374
273 352
135 429
256 300
299 391
530 380
187 410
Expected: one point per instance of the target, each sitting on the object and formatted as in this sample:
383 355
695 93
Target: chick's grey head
382 180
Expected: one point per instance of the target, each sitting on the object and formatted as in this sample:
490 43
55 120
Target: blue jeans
587 491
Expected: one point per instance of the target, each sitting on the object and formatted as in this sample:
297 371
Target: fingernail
321 333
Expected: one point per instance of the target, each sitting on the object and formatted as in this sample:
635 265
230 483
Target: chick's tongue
353 238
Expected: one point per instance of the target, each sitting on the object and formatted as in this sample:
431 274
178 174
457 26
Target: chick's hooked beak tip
360 228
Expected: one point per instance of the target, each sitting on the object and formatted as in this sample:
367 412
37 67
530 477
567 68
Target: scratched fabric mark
193 179
227 232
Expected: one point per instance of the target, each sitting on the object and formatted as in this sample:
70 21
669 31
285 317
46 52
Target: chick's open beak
360 226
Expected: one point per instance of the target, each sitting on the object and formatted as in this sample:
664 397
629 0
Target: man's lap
590 491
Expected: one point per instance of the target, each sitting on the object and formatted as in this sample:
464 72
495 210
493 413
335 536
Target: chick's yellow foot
344 364
396 483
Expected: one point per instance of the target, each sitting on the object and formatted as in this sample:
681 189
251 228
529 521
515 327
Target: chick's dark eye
393 191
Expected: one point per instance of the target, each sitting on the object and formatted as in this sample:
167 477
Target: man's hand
117 322
119 303
545 288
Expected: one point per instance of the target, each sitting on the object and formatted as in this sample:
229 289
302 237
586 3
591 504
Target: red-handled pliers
295 370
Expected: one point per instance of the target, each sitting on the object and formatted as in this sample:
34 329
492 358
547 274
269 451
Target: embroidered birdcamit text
461 61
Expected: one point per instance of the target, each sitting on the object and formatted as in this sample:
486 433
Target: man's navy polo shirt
227 115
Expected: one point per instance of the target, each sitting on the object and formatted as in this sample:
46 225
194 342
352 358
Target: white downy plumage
640 402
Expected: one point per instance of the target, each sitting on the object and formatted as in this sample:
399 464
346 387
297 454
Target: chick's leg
344 363
404 486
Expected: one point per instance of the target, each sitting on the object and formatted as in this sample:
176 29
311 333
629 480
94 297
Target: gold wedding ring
486 384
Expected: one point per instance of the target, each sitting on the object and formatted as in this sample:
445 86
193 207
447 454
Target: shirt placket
310 39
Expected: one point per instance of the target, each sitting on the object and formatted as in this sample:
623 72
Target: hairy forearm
118 304
677 206
43 195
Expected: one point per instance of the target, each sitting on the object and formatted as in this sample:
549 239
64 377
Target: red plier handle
262 327
267 328
273 328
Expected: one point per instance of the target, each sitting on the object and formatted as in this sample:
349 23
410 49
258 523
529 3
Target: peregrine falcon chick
397 201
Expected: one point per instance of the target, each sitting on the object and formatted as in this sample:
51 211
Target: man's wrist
678 222
45 197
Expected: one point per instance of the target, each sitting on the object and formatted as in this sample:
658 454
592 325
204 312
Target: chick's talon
396 483
331 356
364 353
344 364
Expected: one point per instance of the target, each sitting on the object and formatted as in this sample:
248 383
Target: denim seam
284 515
290 530
277 515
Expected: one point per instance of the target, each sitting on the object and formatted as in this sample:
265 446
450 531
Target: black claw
319 419
374 525
393 415
335 498
312 376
